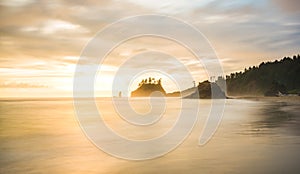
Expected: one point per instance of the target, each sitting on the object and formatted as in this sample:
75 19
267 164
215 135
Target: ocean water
44 136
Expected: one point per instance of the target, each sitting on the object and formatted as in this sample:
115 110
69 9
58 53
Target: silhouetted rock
174 94
148 87
205 91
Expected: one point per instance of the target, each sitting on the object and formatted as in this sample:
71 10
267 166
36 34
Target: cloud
16 3
290 6
248 30
53 26
41 41
20 85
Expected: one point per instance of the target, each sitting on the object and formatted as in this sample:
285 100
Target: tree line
283 75
150 80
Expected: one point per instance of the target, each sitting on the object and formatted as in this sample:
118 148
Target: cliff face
145 90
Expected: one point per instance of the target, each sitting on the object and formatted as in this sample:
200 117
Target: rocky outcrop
146 90
205 91
202 91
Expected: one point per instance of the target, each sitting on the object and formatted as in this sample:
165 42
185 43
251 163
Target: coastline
286 99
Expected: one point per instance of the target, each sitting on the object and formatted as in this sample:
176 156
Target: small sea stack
148 87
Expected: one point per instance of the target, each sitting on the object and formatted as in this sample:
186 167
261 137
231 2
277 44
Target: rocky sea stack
205 91
148 87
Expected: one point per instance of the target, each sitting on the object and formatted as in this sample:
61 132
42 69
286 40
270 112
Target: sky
42 40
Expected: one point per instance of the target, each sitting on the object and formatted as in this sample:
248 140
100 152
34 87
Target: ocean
254 136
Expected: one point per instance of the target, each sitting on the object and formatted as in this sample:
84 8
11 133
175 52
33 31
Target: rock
205 91
145 90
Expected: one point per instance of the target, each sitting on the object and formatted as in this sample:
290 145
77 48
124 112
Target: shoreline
287 99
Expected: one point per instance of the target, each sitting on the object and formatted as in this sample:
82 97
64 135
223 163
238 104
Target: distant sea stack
205 91
147 87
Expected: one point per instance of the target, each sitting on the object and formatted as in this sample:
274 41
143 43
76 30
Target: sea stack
148 87
204 91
